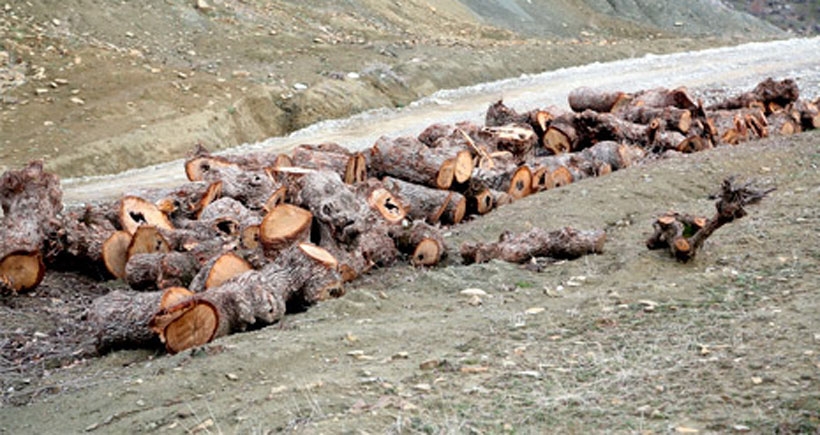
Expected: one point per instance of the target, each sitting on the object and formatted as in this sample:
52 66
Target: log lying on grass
566 243
684 234
31 199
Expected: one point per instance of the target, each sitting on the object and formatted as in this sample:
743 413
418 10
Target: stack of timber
252 237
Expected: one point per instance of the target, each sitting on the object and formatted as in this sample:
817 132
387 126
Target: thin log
327 157
585 98
566 243
120 320
422 241
684 235
410 160
781 93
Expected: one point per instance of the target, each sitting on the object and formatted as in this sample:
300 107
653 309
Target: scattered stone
56 22
474 369
475 301
684 429
240 74
182 75
300 86
741 428
205 426
203 6
757 380
430 364
473 292
535 310
77 100
40 91
423 387
232 376
353 75
400 355
48 123
648 306
61 82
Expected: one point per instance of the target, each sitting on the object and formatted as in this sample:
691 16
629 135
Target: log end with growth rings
21 271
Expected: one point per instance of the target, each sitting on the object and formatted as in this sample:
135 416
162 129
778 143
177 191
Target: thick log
809 114
285 225
252 188
585 98
566 243
120 320
31 200
499 115
134 211
200 162
561 136
480 198
185 201
423 242
155 271
382 200
334 204
80 239
115 253
662 97
684 235
784 123
428 204
248 300
767 94
302 274
328 157
518 139
506 177
217 270
410 160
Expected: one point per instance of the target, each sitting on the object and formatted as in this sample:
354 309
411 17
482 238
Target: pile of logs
252 237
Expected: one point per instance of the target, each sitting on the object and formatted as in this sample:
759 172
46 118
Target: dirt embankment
99 88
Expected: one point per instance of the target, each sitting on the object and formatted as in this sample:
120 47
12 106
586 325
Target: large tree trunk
31 199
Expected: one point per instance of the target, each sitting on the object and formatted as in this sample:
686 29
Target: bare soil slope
99 87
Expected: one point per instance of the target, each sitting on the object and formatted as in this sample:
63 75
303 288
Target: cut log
672 118
518 139
780 93
285 225
507 177
809 114
147 240
31 200
662 97
585 98
422 241
120 320
155 271
184 201
784 123
499 115
561 136
480 199
80 240
684 235
566 243
382 200
200 162
173 295
135 211
115 253
410 160
252 188
327 157
218 270
334 205
428 204
245 301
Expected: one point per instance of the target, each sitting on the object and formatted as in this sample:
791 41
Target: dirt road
730 68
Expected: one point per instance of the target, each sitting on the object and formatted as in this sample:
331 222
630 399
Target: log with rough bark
740 125
185 201
422 241
31 200
335 205
115 253
684 234
672 118
301 275
410 160
767 94
428 204
253 188
333 157
80 239
217 270
662 97
159 270
561 136
200 162
283 226
585 98
784 123
382 200
566 243
120 320
506 177
247 300
480 198
518 139
134 211
809 114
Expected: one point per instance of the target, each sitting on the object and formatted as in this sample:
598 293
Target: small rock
40 91
430 364
140 403
475 301
757 380
240 74
741 428
232 376
48 123
77 100
182 75
56 22
61 82
203 6
353 76
422 387
473 292
300 86
535 310
129 34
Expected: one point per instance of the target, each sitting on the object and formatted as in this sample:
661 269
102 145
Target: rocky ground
96 88
626 342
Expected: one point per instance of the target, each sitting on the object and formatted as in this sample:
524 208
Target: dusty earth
627 342
99 87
